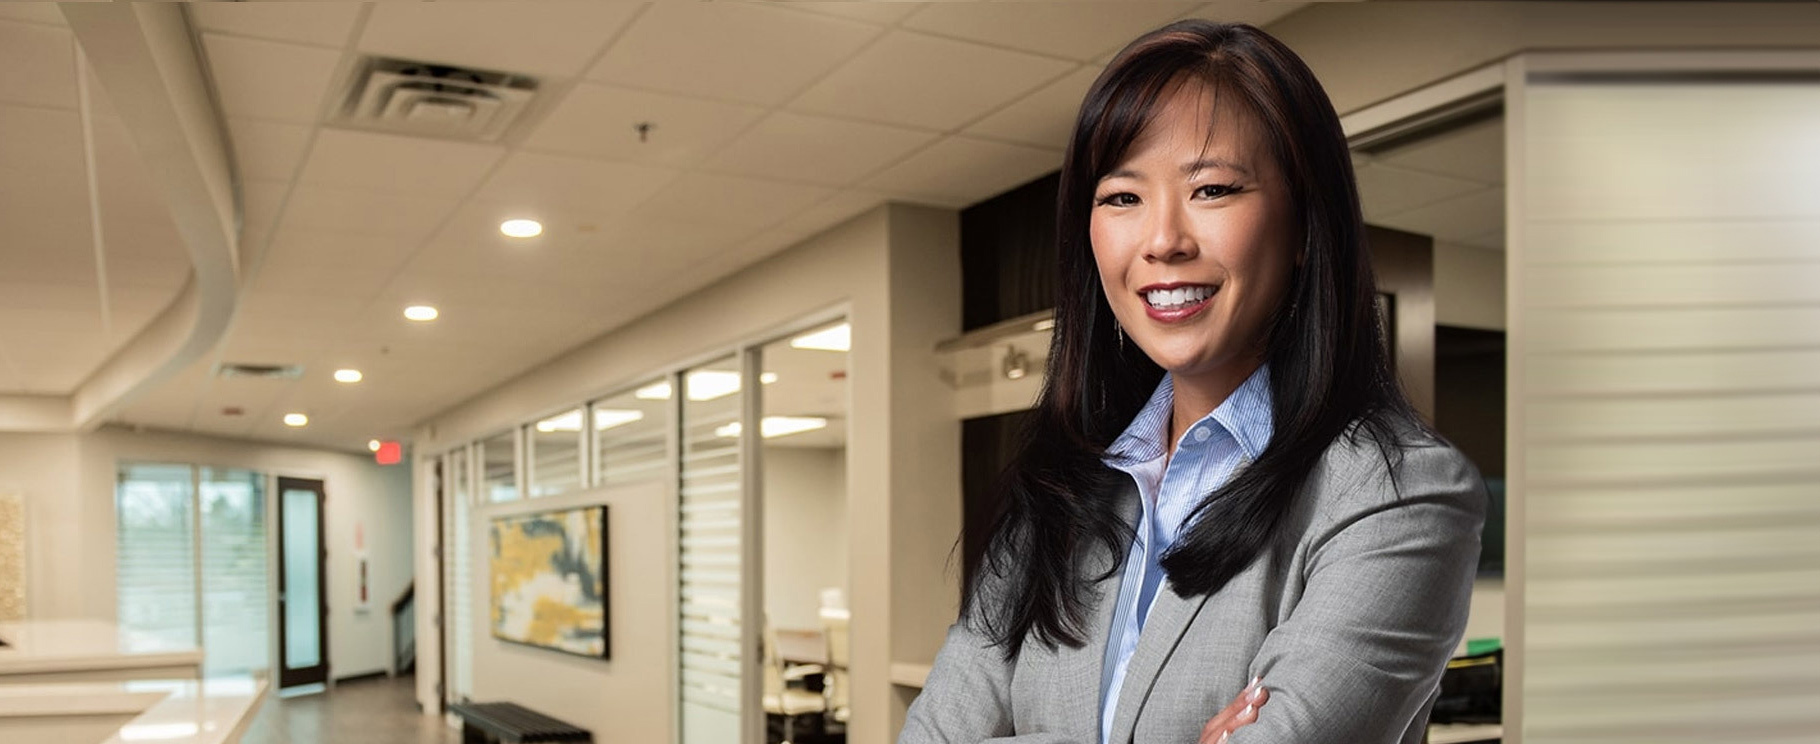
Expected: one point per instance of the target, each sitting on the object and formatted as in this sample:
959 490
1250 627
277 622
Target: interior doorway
303 611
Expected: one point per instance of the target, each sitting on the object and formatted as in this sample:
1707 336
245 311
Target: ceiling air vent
419 98
267 371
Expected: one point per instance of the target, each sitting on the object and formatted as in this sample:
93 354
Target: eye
1217 190
1120 199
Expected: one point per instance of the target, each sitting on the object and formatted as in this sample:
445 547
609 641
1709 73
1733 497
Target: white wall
895 272
805 505
69 481
626 697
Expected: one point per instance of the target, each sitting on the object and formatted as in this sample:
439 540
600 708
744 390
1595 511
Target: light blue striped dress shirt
1170 487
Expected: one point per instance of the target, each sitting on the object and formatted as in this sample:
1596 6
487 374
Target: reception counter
89 651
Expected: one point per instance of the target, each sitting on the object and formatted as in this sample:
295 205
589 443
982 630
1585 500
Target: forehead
1192 120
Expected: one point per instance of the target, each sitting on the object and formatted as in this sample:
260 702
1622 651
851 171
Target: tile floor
371 711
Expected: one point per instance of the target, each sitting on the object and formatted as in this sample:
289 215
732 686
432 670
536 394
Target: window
631 435
192 561
554 454
499 473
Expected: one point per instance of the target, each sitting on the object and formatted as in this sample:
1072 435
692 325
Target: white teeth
1169 299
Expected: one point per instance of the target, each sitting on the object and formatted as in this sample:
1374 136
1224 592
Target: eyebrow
1188 169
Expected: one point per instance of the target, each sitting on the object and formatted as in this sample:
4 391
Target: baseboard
380 674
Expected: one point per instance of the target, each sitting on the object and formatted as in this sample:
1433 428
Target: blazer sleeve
967 697
1389 578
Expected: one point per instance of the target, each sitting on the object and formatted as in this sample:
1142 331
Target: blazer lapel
1170 616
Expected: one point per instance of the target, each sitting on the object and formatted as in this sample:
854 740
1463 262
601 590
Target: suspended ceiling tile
1079 31
959 171
1044 118
395 216
1475 153
879 13
544 38
419 167
33 12
749 53
731 200
1258 13
1455 220
131 308
322 24
1493 240
842 206
122 181
41 65
603 121
59 297
530 180
266 150
816 149
908 78
362 252
148 272
269 79
259 207
1387 190
47 228
41 144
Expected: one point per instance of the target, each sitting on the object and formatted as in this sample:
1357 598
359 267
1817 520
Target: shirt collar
1246 414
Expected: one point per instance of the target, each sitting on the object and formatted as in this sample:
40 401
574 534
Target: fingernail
1254 682
1255 694
1225 736
1245 712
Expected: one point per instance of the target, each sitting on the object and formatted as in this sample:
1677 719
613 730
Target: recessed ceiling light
521 228
372 445
832 338
420 313
296 419
655 391
348 375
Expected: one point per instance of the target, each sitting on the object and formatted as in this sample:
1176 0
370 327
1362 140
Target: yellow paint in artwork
550 617
520 559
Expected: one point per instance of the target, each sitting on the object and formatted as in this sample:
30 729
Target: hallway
375 711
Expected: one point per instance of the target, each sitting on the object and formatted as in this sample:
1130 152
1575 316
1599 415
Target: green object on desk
1476 646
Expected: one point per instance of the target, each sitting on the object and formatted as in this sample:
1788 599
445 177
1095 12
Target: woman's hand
1242 711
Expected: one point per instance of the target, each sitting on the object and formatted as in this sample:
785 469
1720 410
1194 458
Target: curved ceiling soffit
145 57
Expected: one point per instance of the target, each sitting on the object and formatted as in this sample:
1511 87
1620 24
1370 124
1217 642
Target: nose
1167 238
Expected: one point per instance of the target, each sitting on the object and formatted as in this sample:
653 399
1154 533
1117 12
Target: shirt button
1201 434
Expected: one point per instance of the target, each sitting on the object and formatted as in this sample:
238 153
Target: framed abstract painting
548 573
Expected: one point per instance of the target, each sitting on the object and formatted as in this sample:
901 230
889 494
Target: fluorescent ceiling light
832 338
372 445
348 375
296 419
777 426
521 228
706 384
607 418
570 421
420 313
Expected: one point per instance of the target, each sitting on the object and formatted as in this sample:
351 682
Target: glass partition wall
756 591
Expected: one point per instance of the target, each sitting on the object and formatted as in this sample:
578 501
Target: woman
1225 520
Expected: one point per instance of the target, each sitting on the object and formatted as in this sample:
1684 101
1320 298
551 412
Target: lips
1176 302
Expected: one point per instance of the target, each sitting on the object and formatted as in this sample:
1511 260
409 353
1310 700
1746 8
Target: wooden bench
485 723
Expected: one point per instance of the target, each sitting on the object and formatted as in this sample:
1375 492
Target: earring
1119 331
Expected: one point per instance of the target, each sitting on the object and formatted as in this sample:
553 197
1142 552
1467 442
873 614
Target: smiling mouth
1178 298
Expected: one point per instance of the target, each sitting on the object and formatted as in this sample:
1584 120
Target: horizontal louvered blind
710 571
156 552
235 586
631 436
1667 286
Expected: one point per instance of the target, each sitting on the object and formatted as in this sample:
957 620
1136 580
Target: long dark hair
1329 372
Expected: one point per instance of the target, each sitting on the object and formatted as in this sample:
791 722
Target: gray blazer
1349 621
